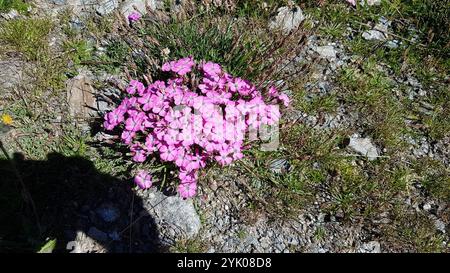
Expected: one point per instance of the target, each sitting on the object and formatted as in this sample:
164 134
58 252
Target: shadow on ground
71 197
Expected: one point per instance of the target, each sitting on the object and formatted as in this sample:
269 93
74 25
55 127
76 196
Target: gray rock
378 33
59 2
173 214
80 96
374 35
327 52
287 19
363 146
427 206
392 44
106 6
140 6
370 2
11 74
265 242
440 225
10 15
373 2
97 234
279 166
370 247
324 87
103 106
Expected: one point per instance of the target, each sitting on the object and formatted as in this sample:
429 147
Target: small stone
279 166
373 2
373 35
105 7
10 15
370 247
440 225
327 52
59 2
287 19
364 147
11 74
174 212
265 242
392 44
427 206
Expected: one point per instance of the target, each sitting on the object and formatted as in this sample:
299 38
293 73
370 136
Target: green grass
369 92
413 233
243 46
435 176
27 36
19 5
220 40
189 246
78 50
429 17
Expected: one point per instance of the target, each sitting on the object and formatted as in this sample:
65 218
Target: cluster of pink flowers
191 125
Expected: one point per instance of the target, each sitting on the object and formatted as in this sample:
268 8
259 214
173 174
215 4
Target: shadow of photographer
81 207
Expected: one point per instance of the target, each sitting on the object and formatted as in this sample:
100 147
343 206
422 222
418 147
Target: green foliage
258 9
48 247
371 93
243 47
79 51
28 36
435 176
220 40
189 246
412 232
19 5
432 19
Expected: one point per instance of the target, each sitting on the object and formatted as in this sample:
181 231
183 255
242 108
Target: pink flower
127 136
168 153
134 16
224 158
236 151
353 2
212 69
181 67
143 179
146 101
273 92
113 118
150 143
188 177
134 124
285 99
187 190
135 86
240 85
139 154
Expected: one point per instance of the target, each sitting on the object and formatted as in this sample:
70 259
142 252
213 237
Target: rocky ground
230 214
